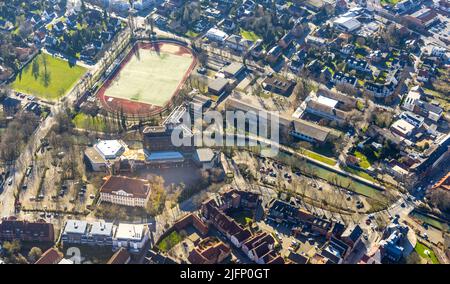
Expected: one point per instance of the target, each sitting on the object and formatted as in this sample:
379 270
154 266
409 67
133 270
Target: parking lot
316 192
46 191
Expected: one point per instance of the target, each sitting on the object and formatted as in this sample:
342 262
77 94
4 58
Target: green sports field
151 77
61 77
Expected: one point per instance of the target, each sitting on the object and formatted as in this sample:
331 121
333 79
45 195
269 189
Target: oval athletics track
135 107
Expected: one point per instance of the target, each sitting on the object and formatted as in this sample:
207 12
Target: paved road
26 157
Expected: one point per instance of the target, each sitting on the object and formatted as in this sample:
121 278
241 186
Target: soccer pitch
61 77
151 77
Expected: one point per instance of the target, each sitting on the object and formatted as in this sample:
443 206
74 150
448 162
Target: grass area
85 121
318 157
430 221
60 78
426 252
363 161
338 179
191 34
170 241
362 174
151 77
389 2
249 35
359 104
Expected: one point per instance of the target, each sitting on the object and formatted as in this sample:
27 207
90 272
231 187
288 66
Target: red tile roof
139 188
51 256
120 257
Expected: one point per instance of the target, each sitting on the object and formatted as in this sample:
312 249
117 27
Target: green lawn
88 122
318 157
389 2
430 221
61 78
249 35
363 161
360 174
359 104
191 34
420 249
170 241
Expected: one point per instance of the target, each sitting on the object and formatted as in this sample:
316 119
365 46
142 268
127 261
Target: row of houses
26 231
132 237
260 246
341 240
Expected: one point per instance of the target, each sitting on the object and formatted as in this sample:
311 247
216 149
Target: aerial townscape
224 132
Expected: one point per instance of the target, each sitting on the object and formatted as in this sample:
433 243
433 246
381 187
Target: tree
440 199
202 58
11 248
413 258
35 69
16 135
83 7
157 200
46 77
34 254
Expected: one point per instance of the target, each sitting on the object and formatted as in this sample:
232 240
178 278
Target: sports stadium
147 79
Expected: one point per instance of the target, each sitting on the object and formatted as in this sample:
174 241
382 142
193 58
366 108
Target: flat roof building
132 237
205 157
234 69
75 232
402 128
346 24
110 149
217 86
327 101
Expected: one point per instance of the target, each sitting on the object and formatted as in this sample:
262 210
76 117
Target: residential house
278 85
286 40
132 237
358 64
274 54
120 257
352 235
341 78
36 232
75 232
209 251
50 256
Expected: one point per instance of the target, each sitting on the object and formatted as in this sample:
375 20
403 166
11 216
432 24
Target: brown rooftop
51 256
139 188
120 257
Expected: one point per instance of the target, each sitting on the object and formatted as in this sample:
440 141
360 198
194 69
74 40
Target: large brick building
125 191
